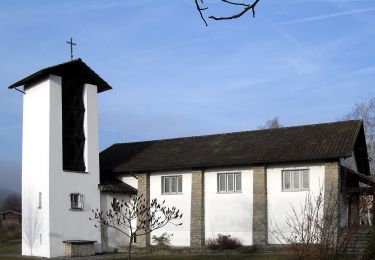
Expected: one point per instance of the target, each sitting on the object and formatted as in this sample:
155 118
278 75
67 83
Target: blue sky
306 61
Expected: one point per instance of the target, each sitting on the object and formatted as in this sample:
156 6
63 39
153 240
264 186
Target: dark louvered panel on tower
73 113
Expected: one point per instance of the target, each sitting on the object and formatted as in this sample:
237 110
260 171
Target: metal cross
71 47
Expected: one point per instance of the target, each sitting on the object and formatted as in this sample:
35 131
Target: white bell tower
60 157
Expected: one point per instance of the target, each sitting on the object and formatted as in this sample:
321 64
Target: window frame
170 178
79 204
292 186
40 200
114 203
234 177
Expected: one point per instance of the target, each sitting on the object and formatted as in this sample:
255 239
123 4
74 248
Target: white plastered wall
130 180
229 213
66 224
112 238
280 202
180 234
35 168
43 170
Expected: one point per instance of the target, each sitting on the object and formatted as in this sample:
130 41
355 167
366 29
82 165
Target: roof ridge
236 132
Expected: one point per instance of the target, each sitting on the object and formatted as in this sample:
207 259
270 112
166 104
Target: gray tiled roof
110 183
287 144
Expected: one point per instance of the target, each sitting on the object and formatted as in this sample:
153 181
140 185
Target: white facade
225 213
130 180
229 213
36 167
280 202
42 172
112 238
180 234
48 219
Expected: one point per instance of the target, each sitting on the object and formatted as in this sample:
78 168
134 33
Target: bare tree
245 7
272 123
11 202
311 230
366 112
136 217
31 222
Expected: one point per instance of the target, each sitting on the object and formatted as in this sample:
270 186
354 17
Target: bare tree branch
246 8
149 216
233 3
200 9
235 16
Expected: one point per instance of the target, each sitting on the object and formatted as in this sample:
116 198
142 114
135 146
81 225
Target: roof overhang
72 69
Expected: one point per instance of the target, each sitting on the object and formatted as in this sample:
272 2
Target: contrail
327 16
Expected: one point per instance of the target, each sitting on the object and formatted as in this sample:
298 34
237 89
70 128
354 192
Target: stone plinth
79 248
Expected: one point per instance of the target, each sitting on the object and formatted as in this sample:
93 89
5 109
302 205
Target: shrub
163 241
369 252
10 231
223 242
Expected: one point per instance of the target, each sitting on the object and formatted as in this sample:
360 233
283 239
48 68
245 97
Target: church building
236 184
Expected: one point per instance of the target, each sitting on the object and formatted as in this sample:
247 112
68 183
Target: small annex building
236 184
10 218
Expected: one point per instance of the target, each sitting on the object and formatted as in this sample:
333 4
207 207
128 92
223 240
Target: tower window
76 201
73 113
115 204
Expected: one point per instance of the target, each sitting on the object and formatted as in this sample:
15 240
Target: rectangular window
40 201
295 180
238 182
229 182
76 201
230 177
171 184
222 182
115 204
305 179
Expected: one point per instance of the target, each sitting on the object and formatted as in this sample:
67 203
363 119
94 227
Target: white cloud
329 16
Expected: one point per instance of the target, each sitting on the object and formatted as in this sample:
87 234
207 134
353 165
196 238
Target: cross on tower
71 47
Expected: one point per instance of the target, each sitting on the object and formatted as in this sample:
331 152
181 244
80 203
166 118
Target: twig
200 9
247 7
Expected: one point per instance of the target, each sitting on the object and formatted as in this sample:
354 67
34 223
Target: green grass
214 257
10 247
186 257
14 247
12 258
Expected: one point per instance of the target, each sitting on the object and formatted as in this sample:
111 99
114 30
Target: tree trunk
130 247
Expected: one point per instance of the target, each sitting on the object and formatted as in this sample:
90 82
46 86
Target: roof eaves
220 164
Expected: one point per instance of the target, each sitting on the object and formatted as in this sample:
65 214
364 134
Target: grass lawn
10 247
184 257
214 257
12 258
14 247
